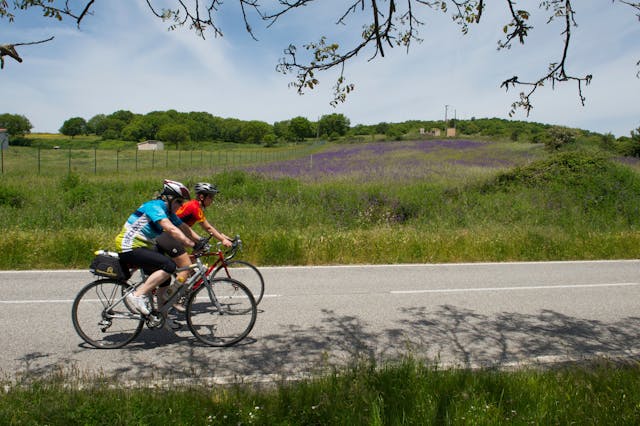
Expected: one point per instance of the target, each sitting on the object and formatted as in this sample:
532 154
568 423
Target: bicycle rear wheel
101 317
221 312
246 273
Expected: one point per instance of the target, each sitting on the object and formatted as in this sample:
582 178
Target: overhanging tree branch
10 50
388 23
557 71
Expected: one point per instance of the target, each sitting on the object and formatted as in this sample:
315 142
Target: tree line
177 127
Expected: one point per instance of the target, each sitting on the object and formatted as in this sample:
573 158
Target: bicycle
220 311
248 273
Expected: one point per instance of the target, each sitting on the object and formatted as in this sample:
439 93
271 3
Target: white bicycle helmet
206 188
175 189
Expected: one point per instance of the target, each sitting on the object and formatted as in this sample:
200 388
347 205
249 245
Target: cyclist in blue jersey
136 241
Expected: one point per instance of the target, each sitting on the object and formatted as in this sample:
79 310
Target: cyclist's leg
149 260
175 250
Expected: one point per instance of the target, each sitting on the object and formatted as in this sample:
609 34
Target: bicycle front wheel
221 312
101 317
246 273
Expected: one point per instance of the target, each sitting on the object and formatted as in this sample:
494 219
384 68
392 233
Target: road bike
240 269
220 311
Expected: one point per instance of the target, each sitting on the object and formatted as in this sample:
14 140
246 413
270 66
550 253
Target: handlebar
236 244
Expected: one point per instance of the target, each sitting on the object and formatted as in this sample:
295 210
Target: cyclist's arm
226 241
190 233
176 232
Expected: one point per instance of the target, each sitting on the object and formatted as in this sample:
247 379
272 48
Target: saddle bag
107 264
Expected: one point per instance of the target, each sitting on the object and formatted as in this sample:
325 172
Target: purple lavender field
403 161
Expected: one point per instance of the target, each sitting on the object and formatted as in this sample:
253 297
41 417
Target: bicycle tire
100 319
247 274
227 325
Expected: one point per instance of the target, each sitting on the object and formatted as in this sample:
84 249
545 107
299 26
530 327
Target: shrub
558 137
10 197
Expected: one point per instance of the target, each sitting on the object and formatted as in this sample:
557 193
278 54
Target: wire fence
42 161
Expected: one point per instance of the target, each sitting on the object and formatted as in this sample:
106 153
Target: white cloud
124 58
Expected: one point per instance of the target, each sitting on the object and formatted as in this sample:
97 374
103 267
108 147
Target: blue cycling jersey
142 227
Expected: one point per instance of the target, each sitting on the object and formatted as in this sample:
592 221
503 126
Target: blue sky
123 57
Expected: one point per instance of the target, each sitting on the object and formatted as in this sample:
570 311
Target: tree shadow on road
449 335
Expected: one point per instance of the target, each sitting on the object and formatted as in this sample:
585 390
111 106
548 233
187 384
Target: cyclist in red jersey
190 213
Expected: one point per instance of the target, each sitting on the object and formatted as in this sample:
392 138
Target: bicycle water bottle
175 285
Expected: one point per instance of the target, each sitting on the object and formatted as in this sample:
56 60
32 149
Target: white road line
537 287
20 302
35 301
361 266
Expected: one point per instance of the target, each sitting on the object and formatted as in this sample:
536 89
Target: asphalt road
314 318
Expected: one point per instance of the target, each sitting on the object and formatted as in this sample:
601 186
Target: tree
16 125
300 128
174 133
282 130
331 124
95 123
387 24
74 126
254 131
631 146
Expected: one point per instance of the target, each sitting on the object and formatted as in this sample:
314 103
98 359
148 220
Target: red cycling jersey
191 212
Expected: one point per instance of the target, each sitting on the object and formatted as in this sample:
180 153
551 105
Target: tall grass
407 392
570 205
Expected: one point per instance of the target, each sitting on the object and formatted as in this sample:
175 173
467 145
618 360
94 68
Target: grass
403 392
476 202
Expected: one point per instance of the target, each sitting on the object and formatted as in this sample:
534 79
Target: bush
10 197
558 137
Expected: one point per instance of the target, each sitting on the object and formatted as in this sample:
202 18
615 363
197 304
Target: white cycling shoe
139 303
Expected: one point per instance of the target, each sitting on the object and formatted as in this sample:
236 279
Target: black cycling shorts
168 245
149 260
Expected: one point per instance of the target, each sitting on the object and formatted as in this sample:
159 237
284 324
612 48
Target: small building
150 146
432 132
451 132
4 139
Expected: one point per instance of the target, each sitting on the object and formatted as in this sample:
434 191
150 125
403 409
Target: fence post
153 158
136 160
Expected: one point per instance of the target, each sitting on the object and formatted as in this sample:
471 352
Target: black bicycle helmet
206 188
175 189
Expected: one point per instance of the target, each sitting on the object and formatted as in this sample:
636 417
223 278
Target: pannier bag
107 264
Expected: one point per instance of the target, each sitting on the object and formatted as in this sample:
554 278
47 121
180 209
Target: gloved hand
202 245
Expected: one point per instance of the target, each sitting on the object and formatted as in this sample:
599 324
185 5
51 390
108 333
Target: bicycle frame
192 283
221 259
220 314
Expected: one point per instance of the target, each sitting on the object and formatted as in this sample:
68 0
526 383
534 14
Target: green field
389 202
